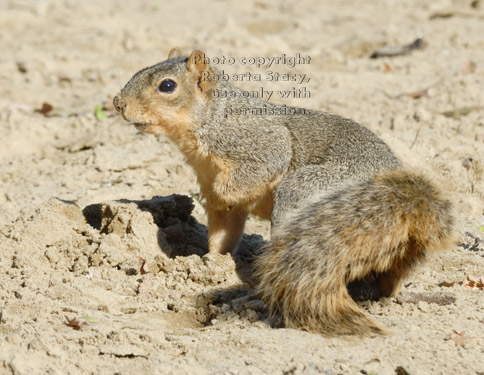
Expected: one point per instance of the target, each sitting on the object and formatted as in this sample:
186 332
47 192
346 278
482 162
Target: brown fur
178 115
340 204
385 225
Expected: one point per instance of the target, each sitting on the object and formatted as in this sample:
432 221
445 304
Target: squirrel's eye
167 86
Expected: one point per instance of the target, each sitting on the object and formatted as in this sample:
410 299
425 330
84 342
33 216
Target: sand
103 227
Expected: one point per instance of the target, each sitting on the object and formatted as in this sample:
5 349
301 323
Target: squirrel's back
320 138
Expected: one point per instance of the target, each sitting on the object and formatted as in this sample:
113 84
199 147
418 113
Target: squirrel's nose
119 104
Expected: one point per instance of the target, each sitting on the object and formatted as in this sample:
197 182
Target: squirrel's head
169 96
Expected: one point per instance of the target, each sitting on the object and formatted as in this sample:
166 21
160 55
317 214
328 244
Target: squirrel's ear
197 64
175 52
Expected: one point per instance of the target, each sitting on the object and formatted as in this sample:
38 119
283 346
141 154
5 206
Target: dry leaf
447 284
45 109
416 94
76 323
144 288
388 68
461 340
79 323
469 67
474 282
143 266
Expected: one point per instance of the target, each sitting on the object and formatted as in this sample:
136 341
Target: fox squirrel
341 205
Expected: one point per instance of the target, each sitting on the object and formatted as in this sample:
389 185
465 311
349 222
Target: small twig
414 94
392 51
457 13
416 136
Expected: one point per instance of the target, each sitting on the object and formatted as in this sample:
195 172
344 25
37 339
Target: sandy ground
90 228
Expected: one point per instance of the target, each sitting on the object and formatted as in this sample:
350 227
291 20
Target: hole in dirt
176 227
171 214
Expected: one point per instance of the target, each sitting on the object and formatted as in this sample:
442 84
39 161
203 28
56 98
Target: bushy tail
383 226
